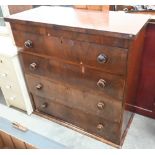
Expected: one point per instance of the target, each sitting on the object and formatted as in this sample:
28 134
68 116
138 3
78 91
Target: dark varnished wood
18 8
77 75
133 67
145 102
75 51
62 58
76 98
86 21
80 119
133 75
35 31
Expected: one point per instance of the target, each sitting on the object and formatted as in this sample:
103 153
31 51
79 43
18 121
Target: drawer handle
3 75
28 44
102 58
101 105
101 83
8 86
100 126
33 66
44 105
12 98
39 86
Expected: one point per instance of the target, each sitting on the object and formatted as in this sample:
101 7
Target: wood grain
76 51
134 67
63 74
78 75
133 75
93 7
73 127
10 142
18 143
87 21
76 98
18 8
33 32
80 119
145 102
1 142
7 140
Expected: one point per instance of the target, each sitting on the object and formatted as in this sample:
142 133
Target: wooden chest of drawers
12 82
81 67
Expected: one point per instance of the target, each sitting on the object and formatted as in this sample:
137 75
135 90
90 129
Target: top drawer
107 58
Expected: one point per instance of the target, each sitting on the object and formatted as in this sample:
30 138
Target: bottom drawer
89 123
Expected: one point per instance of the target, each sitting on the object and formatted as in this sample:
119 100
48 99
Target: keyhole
61 40
1 61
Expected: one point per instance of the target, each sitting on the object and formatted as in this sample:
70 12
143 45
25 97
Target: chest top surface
73 19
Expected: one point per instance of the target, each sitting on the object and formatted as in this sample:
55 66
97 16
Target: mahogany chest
81 66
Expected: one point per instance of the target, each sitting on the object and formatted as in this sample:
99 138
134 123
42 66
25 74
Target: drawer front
11 86
18 29
78 75
105 58
89 123
8 75
91 103
7 70
5 63
13 98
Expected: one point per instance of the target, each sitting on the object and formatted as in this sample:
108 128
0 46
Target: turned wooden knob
28 44
101 105
44 105
39 86
125 10
101 83
100 126
102 58
33 66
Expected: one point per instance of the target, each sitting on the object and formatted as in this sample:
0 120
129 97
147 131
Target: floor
141 134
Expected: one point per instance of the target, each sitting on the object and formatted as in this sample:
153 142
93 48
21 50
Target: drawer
91 103
7 70
23 29
13 98
8 75
11 86
5 63
78 75
12 94
87 122
105 58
